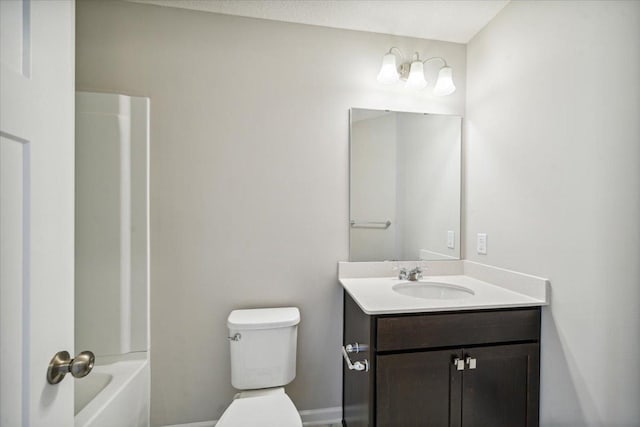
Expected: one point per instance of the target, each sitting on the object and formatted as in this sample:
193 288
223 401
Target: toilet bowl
264 408
263 349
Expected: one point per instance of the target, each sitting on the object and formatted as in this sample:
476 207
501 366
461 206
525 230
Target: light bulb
416 78
389 71
444 84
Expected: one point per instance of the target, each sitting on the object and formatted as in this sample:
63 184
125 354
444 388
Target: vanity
436 341
452 361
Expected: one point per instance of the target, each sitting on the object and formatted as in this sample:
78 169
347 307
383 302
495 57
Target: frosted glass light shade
389 71
444 84
416 78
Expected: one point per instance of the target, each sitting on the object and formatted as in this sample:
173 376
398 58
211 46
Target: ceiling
453 20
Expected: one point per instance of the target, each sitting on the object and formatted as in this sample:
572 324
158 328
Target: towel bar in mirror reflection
371 224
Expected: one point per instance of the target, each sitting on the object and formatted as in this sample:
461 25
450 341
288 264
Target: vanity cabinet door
419 389
501 386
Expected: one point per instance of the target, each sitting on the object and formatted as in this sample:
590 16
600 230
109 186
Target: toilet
263 360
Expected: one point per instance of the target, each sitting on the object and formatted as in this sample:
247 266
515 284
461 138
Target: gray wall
552 175
249 178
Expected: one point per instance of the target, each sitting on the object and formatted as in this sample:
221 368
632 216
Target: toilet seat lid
265 408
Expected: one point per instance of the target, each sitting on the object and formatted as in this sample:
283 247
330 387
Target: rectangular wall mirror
405 178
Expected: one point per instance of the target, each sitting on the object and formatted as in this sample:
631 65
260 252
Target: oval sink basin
432 290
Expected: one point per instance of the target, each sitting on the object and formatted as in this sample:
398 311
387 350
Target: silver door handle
471 362
458 363
62 364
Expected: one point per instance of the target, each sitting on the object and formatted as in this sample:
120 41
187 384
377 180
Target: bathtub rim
124 369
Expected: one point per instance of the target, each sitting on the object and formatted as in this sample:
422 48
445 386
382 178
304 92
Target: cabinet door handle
471 362
458 363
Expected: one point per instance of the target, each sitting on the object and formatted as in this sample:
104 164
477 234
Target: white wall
249 178
553 177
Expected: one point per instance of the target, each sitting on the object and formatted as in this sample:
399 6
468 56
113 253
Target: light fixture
444 84
416 78
389 72
413 72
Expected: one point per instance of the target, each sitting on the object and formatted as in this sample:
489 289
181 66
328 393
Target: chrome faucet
415 274
412 275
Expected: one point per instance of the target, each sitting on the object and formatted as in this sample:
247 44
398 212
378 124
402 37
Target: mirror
405 178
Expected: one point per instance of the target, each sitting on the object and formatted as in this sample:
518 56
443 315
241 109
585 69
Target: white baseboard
321 417
310 417
198 424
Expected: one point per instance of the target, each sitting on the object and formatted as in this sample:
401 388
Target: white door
36 209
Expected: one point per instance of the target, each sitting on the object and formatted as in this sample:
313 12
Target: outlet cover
451 239
482 243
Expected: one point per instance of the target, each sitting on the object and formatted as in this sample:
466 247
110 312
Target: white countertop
375 295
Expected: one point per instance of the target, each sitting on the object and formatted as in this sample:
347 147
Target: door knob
62 364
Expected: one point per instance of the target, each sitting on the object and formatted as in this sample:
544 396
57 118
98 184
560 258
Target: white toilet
263 360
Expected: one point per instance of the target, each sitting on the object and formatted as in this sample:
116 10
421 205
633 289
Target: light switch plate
451 239
482 243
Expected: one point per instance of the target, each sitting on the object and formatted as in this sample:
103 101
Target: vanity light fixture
416 78
389 72
413 72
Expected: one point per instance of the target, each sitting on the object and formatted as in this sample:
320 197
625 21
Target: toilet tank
263 347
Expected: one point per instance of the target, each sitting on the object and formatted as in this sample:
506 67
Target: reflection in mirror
112 242
405 176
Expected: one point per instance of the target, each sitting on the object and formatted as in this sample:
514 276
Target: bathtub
115 393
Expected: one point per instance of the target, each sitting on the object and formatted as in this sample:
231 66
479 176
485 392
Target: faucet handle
415 274
403 272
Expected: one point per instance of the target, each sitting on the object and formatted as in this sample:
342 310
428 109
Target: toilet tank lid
264 318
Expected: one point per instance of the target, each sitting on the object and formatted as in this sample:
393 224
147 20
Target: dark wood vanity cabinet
459 369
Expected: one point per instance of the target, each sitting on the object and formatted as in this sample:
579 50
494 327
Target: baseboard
321 417
310 417
198 424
